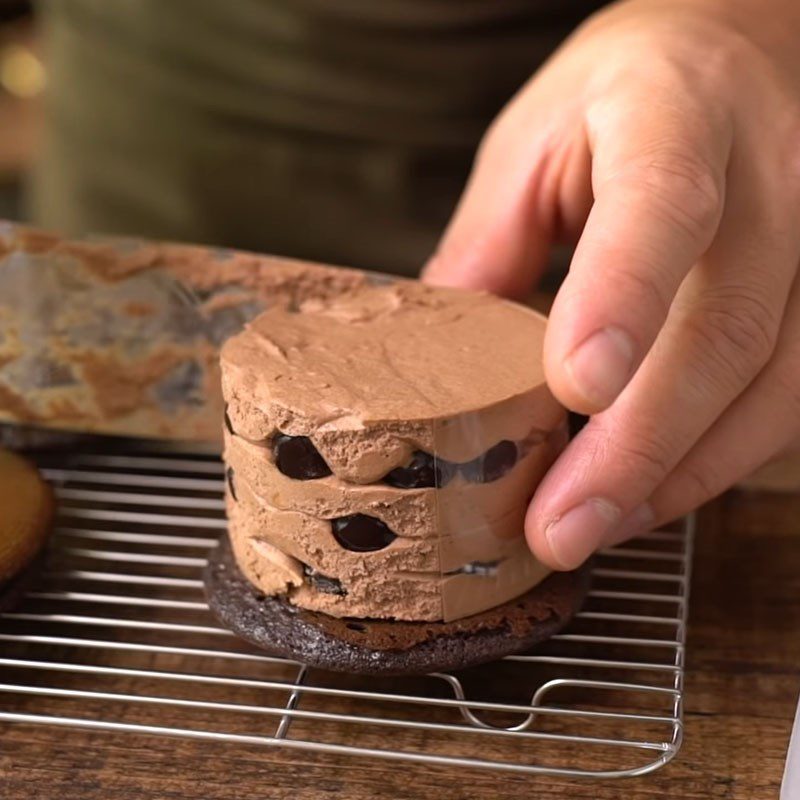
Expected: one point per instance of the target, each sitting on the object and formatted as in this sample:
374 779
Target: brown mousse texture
382 446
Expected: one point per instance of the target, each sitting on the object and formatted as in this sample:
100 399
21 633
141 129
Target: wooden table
742 686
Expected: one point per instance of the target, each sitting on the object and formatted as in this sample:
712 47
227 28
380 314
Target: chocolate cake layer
380 647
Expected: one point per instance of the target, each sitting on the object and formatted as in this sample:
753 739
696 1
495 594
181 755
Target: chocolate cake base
384 647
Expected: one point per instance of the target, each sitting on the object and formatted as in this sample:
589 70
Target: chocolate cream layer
382 372
285 552
455 508
375 380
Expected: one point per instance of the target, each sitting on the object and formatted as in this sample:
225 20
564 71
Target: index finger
658 175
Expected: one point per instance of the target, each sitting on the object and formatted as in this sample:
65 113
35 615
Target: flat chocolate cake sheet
122 336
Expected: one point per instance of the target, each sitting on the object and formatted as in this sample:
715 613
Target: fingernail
576 534
640 520
602 365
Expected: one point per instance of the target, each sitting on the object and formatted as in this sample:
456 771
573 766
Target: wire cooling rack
117 637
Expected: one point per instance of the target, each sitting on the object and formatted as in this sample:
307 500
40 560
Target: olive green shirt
338 130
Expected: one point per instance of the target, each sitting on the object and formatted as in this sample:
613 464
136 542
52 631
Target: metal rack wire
117 628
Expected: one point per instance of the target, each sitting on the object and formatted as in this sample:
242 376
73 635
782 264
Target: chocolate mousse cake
381 448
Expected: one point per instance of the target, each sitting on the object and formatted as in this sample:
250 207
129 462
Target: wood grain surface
743 682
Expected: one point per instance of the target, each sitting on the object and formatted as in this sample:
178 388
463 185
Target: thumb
528 188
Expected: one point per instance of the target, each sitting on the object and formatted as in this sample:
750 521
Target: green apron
336 130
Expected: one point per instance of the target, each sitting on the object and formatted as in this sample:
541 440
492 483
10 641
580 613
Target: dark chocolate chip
362 533
576 423
228 423
231 484
493 464
296 457
323 583
499 460
422 472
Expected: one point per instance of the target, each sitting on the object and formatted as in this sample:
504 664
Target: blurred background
22 82
340 132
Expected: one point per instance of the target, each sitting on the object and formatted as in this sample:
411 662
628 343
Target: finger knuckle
698 483
684 190
731 56
642 284
737 332
671 62
648 456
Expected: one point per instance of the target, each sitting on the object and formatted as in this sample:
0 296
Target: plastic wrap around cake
122 336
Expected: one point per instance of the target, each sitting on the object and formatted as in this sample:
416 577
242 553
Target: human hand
666 136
